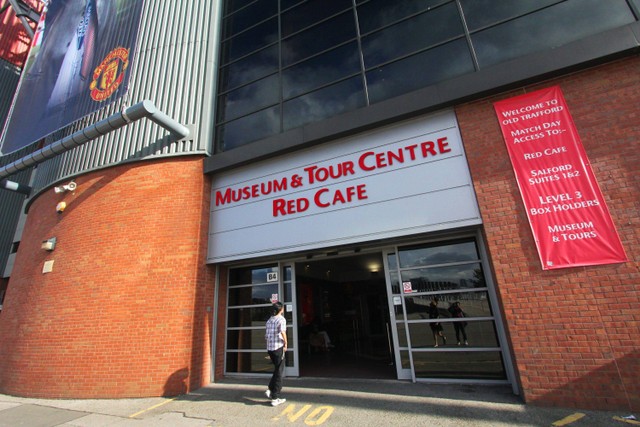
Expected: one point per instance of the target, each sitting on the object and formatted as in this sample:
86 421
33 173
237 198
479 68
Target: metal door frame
291 306
402 373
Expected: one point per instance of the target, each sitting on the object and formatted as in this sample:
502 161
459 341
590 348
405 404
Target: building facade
354 172
14 47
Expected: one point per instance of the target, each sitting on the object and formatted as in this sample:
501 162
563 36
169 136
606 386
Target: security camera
69 187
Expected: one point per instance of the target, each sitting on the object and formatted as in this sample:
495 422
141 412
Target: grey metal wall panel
11 204
174 67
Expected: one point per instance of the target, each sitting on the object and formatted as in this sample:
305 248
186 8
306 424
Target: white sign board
395 181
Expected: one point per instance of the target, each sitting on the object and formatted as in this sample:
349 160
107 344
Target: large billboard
79 62
568 215
395 181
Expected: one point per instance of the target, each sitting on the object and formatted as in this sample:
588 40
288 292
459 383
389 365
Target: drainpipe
134 113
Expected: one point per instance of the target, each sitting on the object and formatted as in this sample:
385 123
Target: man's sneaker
268 393
276 402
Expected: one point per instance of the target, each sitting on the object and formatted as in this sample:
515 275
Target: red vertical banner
570 221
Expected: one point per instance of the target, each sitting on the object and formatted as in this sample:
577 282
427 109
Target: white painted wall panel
411 194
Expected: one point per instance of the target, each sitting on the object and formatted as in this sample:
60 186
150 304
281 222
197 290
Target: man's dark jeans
275 385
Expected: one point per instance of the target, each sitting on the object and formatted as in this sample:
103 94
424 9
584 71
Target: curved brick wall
574 332
126 311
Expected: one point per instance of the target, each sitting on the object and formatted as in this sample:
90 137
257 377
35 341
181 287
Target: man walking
276 336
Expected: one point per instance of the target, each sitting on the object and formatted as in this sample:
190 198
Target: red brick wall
127 309
575 332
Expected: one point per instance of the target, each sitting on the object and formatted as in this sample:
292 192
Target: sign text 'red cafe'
403 179
324 197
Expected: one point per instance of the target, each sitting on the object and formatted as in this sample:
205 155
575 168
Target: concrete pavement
314 402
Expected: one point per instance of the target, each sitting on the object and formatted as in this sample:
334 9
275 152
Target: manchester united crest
109 74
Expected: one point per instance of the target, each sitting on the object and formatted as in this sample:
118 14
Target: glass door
442 308
252 291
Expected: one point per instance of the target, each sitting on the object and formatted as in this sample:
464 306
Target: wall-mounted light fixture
15 186
69 187
49 244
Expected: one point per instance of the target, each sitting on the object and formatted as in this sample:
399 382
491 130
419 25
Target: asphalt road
311 402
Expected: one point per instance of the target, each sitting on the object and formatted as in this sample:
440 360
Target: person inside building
319 339
276 337
456 312
436 327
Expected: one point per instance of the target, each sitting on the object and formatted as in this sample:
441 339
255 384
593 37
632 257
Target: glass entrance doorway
344 328
445 324
423 311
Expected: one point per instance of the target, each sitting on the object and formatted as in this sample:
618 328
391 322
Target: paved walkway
312 402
